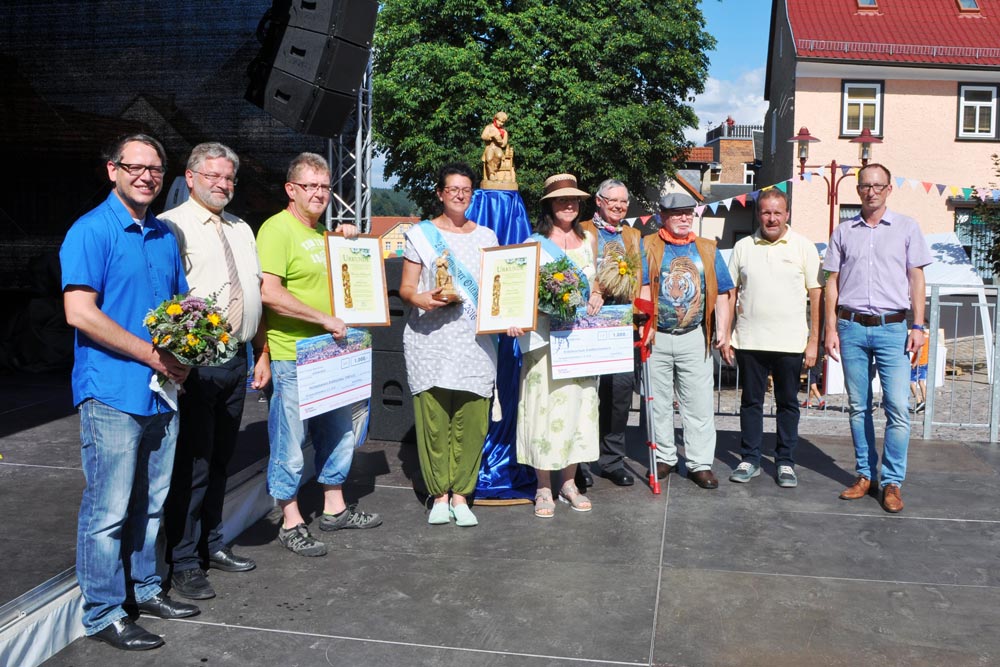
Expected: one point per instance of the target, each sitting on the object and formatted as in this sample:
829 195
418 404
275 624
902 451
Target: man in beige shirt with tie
220 260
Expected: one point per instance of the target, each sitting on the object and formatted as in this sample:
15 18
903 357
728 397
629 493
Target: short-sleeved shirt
873 262
133 268
205 259
296 254
681 299
441 345
772 282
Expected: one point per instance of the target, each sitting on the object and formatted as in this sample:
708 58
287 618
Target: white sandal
545 507
569 494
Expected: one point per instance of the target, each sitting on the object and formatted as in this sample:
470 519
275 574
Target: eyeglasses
620 202
453 190
215 178
137 169
314 187
877 188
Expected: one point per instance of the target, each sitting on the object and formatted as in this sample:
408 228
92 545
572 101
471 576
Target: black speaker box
353 20
300 105
312 63
390 338
391 414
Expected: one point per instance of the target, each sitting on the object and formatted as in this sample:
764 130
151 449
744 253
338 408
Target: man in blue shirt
119 262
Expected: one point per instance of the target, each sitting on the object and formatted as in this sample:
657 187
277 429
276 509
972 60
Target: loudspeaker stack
312 62
391 405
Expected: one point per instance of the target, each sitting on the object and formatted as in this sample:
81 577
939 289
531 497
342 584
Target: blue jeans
127 461
332 435
863 350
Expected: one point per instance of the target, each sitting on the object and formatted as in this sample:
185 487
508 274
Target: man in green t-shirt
296 297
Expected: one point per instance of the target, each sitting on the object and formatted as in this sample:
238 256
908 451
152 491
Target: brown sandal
545 507
569 494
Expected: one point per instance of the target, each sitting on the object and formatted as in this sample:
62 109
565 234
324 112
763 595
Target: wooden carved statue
498 156
443 279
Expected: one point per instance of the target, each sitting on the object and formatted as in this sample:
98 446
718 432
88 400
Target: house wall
919 129
779 122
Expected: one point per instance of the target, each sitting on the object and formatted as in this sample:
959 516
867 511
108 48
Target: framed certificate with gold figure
357 280
508 288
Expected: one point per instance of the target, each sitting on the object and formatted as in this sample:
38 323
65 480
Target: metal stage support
350 158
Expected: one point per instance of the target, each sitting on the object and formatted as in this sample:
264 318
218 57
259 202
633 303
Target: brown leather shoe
663 469
857 490
891 500
705 479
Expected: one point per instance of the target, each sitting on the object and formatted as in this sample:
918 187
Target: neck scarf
676 240
601 223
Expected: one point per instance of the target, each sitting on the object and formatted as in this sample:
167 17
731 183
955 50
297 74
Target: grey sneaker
298 540
349 518
786 477
744 472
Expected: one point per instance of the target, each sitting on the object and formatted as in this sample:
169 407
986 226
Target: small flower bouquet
192 329
560 289
619 273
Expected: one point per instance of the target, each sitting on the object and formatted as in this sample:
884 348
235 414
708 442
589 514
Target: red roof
899 31
385 223
700 154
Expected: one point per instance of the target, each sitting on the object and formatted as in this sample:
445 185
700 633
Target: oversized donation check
592 344
333 373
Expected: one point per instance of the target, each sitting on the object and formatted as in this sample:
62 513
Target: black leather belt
678 332
872 320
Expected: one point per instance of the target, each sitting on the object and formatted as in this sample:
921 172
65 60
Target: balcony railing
725 131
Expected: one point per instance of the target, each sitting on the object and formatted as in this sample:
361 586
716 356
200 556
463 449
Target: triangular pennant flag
954 190
899 181
698 210
914 183
845 169
644 218
995 194
742 199
940 188
714 205
783 186
982 194
966 193
753 195
727 203
927 186
808 177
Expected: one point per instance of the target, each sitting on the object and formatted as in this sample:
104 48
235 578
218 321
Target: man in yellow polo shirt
774 271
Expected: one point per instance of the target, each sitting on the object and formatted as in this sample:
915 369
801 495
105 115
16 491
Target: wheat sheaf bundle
619 273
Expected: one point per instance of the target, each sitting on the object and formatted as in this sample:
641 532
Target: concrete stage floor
743 575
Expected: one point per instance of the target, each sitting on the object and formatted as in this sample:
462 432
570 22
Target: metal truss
350 158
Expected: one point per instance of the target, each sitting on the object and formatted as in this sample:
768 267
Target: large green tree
597 88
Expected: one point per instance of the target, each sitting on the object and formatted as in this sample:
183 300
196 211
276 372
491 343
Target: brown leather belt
872 320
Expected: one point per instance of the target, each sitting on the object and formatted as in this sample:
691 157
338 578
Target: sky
735 85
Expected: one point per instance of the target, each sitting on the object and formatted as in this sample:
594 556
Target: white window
862 108
977 112
749 173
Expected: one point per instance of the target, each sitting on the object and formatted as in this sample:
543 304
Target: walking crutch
645 307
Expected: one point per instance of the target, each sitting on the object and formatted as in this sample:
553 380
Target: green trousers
451 428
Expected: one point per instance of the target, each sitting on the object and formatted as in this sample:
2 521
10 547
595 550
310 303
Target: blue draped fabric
501 476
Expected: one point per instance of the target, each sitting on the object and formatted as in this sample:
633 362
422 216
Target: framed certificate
508 288
357 280
593 344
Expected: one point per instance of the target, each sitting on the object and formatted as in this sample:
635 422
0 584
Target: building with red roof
922 76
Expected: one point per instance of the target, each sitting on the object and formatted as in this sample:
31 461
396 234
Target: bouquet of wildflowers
619 273
560 289
192 329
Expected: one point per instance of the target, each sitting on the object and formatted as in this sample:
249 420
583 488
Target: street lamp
803 139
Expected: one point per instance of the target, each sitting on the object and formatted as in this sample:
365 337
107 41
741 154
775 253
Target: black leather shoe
705 479
224 559
192 584
620 477
584 480
664 469
163 607
125 635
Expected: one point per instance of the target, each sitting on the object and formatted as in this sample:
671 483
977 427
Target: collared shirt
205 259
873 262
296 254
133 269
772 282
